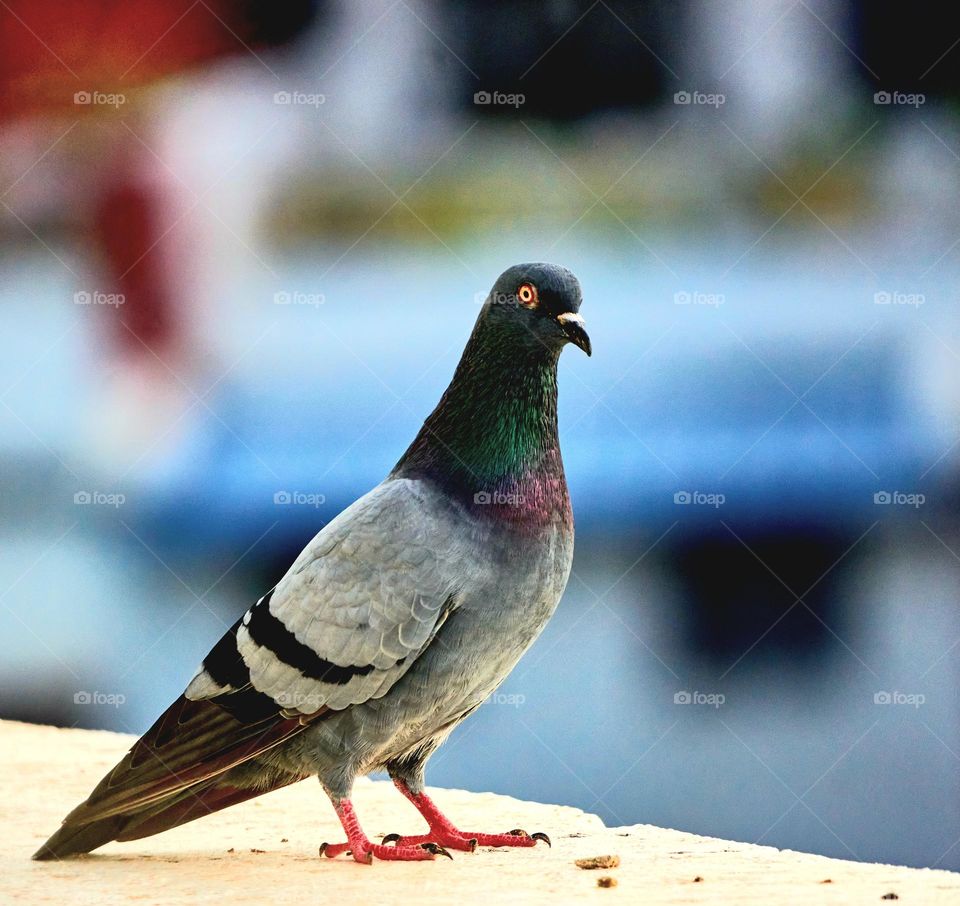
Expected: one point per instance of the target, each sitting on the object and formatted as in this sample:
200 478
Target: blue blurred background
243 245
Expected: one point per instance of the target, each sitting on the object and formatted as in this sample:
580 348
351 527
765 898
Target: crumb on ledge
606 881
598 862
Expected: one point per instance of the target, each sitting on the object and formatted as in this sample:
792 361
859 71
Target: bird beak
572 325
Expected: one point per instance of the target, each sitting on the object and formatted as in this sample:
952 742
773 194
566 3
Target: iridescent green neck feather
492 440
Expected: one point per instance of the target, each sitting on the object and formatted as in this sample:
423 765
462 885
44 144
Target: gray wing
362 601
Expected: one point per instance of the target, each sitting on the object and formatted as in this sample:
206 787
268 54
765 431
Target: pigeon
399 619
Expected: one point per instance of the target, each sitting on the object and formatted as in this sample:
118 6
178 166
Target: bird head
542 299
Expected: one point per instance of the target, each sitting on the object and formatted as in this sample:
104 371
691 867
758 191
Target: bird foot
445 833
365 851
452 838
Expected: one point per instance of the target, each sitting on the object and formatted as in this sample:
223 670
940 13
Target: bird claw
428 845
332 850
432 848
539 835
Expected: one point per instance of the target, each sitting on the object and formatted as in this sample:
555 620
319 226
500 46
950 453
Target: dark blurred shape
272 24
45 700
742 591
565 68
909 48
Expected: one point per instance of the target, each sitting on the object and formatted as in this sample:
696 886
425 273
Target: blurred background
243 244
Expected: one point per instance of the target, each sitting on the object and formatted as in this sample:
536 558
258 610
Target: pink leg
364 851
445 833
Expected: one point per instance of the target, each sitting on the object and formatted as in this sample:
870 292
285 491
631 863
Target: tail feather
177 809
72 839
181 769
197 805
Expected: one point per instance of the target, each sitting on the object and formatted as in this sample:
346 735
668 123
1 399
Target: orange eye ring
527 295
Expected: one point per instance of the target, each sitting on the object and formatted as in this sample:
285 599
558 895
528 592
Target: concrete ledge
265 851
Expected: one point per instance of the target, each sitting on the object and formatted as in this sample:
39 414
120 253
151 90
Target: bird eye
527 295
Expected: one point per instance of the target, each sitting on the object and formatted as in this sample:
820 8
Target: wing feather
359 605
